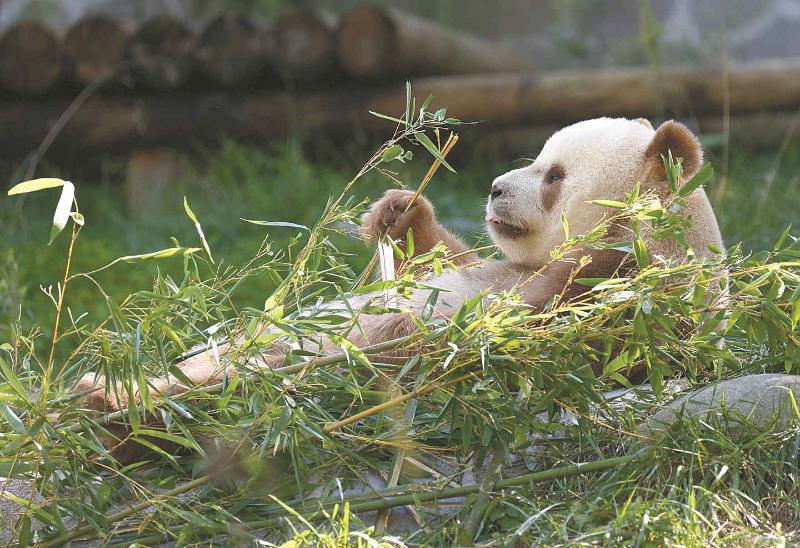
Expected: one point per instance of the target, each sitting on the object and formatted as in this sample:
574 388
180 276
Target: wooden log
566 96
501 100
232 50
376 42
305 43
160 53
95 46
31 58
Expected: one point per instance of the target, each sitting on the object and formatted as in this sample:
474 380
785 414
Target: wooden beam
376 42
232 50
95 46
31 60
305 43
501 100
161 54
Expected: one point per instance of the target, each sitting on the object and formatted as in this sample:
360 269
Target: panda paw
391 216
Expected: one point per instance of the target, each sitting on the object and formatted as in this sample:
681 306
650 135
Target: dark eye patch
551 189
555 174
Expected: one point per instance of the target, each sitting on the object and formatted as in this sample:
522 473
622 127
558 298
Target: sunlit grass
702 484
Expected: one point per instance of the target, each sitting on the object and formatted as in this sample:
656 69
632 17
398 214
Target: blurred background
259 109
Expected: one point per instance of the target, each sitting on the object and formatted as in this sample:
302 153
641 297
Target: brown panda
598 159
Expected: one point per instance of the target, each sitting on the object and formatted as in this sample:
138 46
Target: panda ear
677 138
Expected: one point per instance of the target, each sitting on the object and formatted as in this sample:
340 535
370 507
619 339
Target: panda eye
554 175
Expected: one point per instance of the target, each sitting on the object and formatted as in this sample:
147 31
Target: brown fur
676 137
558 279
552 190
389 217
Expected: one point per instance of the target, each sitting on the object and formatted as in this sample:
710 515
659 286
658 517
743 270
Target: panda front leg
207 368
204 368
392 216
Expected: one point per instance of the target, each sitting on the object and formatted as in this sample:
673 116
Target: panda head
598 159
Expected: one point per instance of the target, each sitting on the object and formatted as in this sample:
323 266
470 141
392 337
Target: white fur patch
601 158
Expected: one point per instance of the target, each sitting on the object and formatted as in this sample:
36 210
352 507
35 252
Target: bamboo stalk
429 493
289 369
469 528
379 499
395 401
452 139
208 478
119 516
382 519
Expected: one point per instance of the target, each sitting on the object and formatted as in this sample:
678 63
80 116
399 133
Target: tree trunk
95 46
31 60
377 42
305 44
160 53
233 50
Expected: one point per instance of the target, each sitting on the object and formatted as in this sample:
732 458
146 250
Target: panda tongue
492 219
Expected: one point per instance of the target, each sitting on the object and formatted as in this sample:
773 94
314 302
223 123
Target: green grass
704 484
242 182
236 182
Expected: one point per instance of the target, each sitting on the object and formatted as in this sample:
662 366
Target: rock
11 510
758 399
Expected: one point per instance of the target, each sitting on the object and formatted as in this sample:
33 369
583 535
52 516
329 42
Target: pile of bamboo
234 51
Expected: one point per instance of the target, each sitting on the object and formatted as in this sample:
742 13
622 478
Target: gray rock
11 510
758 399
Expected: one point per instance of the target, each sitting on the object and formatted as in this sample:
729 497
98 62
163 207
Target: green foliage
650 33
263 448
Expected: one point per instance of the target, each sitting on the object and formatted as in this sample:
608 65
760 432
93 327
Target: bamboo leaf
410 242
12 419
409 107
189 444
197 227
385 117
12 380
430 304
35 185
394 152
162 254
277 223
700 178
62 212
609 203
425 141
